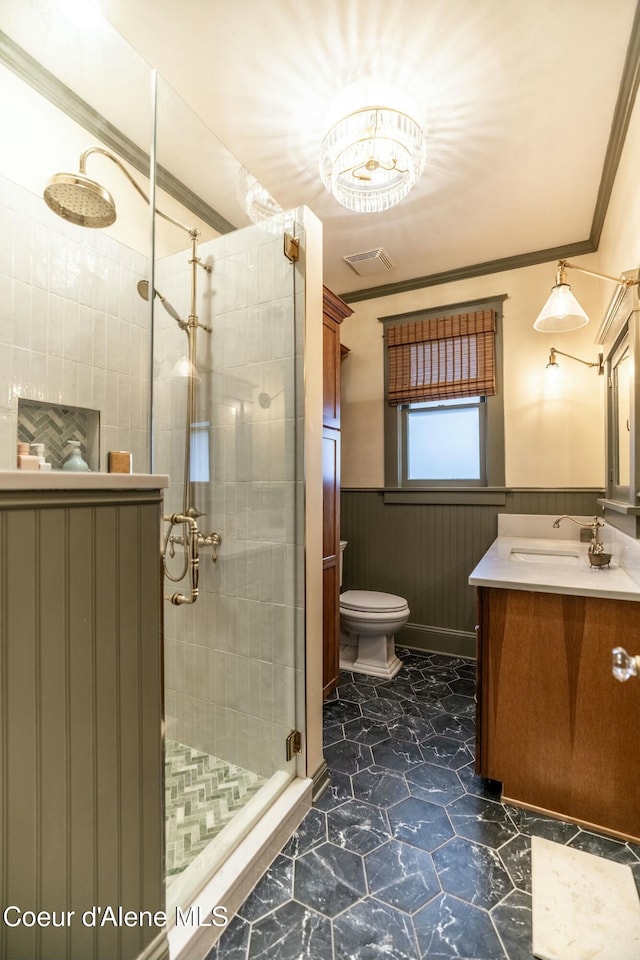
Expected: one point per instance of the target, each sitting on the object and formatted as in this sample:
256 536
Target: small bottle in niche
73 459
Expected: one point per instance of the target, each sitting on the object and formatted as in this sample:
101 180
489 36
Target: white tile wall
72 329
230 658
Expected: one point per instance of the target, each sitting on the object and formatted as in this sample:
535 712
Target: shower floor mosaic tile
409 855
202 795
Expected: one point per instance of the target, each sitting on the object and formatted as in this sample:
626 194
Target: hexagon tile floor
409 855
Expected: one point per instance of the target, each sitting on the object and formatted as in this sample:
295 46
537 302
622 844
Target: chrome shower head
142 287
80 200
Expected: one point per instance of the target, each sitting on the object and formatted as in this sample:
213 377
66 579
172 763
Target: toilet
369 621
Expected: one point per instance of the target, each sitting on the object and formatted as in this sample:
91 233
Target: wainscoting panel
81 809
425 553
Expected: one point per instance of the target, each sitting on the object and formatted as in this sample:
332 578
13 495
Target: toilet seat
371 601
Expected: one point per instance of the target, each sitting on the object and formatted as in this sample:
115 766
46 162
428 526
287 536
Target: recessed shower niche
54 425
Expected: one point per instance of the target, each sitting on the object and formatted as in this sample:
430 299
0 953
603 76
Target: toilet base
373 656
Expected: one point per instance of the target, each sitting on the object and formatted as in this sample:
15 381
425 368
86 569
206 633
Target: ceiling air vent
370 262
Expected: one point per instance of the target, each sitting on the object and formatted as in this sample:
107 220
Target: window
443 409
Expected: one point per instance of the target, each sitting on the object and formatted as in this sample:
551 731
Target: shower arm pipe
134 183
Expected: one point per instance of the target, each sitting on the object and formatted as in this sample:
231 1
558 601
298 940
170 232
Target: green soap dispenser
73 460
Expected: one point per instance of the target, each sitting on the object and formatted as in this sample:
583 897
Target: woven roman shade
442 357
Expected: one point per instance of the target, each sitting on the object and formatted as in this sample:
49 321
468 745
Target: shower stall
226 403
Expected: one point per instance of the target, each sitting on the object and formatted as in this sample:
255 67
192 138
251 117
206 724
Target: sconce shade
561 312
372 158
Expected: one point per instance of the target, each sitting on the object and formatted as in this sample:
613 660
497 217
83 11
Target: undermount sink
568 558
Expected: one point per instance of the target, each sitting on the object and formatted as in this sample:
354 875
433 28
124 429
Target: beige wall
554 434
552 430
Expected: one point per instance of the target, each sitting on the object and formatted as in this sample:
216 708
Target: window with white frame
443 419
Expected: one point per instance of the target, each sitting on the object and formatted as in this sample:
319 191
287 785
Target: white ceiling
516 98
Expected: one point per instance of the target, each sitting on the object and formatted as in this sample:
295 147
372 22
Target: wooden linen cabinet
333 313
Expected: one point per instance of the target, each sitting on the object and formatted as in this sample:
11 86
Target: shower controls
192 540
624 666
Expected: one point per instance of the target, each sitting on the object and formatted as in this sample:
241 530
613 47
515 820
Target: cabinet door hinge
291 247
293 744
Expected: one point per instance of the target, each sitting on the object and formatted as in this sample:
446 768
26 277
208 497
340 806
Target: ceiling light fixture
553 363
372 158
562 312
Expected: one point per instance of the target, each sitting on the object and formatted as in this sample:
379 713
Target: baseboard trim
320 781
419 636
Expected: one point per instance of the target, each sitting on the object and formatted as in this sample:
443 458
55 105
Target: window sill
453 495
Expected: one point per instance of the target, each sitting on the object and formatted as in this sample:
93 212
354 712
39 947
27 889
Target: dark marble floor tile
457 728
472 872
397 689
431 689
464 686
345 756
340 711
459 706
446 752
381 708
357 826
356 692
379 852
331 733
423 709
448 929
616 850
402 876
397 755
479 786
516 856
329 879
468 669
537 825
414 729
292 932
481 820
366 730
433 783
311 832
512 920
420 823
272 890
374 931
337 793
234 942
379 786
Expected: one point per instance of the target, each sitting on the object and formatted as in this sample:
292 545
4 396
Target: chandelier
372 158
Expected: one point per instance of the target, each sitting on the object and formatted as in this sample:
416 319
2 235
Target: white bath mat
584 907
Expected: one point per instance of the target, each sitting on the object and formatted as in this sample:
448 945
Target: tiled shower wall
230 659
73 330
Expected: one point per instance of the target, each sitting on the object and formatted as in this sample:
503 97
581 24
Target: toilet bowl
369 621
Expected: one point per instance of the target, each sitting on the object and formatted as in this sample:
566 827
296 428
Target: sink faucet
596 545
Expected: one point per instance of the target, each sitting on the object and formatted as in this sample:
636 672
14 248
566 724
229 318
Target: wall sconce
553 363
562 311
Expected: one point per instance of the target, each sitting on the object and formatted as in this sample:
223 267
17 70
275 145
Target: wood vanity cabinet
333 313
554 725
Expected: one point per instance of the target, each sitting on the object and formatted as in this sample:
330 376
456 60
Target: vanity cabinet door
556 728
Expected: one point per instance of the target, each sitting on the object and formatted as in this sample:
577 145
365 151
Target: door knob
624 666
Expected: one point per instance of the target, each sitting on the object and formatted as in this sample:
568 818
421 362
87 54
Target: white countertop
619 581
24 480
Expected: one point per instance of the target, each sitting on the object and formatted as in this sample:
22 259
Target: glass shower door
230 656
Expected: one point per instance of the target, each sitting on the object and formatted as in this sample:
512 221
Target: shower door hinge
293 744
291 247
